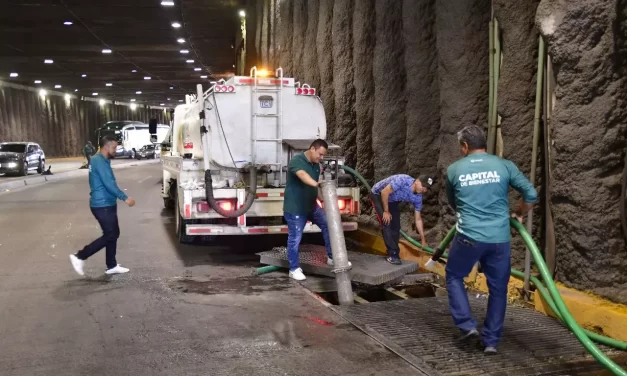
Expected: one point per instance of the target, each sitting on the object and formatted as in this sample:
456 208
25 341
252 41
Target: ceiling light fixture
197 69
134 71
147 78
57 86
75 90
184 51
180 100
37 81
68 23
171 87
108 84
133 100
167 3
176 25
48 61
189 61
42 93
94 94
162 104
138 92
106 51
67 97
102 102
181 40
14 74
83 75
242 13
203 76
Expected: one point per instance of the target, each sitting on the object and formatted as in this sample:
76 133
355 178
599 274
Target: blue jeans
296 225
107 217
391 231
495 264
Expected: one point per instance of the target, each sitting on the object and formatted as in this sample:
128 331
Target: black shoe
394 261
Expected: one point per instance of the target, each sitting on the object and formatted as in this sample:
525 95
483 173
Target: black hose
250 198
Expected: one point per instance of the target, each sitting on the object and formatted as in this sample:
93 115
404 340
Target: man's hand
130 201
517 216
387 217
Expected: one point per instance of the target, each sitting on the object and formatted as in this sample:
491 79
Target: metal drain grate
367 269
422 332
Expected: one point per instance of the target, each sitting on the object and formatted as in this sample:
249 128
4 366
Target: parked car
148 152
21 158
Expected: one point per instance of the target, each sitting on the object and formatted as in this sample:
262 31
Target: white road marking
144 179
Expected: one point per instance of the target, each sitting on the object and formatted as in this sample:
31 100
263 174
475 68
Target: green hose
549 296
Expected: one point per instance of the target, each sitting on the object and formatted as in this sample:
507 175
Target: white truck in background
225 157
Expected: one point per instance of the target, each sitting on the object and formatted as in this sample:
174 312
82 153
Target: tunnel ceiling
139 33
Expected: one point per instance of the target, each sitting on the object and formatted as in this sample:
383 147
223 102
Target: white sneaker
78 264
331 263
298 275
117 270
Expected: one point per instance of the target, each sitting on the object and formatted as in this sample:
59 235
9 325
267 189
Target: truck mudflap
206 229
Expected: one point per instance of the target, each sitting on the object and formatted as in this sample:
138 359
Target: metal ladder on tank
279 120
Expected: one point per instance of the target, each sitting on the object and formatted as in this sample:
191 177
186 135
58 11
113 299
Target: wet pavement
182 310
57 166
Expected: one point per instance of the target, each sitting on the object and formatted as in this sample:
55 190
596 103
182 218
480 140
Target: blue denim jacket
104 189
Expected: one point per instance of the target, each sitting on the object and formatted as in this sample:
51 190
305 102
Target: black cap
427 181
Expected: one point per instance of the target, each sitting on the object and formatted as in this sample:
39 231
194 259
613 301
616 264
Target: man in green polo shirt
299 205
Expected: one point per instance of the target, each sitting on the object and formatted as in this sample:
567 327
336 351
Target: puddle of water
243 285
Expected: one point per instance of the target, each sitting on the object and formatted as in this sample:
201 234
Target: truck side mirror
152 126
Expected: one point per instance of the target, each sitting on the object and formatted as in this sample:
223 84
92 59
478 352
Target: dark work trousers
391 231
107 217
495 263
88 160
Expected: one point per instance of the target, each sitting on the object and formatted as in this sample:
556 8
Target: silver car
21 158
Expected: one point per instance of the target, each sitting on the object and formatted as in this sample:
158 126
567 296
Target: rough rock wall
516 98
587 44
398 79
61 129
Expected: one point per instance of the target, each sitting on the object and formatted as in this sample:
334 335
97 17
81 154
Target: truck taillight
188 145
203 207
224 89
342 204
305 91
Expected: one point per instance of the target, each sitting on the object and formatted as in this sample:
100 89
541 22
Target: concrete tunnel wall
399 78
61 130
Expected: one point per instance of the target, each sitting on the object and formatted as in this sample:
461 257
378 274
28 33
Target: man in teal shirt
299 205
103 203
477 187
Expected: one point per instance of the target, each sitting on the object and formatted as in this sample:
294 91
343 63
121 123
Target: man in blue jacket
103 204
477 187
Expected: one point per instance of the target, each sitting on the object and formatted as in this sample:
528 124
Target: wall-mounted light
181 40
67 97
102 102
14 74
184 51
176 25
48 61
68 23
133 106
106 51
42 93
37 81
242 13
57 86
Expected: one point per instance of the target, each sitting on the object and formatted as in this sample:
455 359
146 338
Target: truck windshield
13 148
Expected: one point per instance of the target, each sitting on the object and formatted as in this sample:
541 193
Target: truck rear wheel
180 225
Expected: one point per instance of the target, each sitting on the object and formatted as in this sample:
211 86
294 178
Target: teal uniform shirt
300 198
477 187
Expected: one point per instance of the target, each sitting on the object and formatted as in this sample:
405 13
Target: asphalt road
58 165
182 310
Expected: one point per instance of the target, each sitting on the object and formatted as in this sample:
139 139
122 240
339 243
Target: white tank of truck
229 148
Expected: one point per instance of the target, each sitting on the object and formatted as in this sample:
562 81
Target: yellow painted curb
591 312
